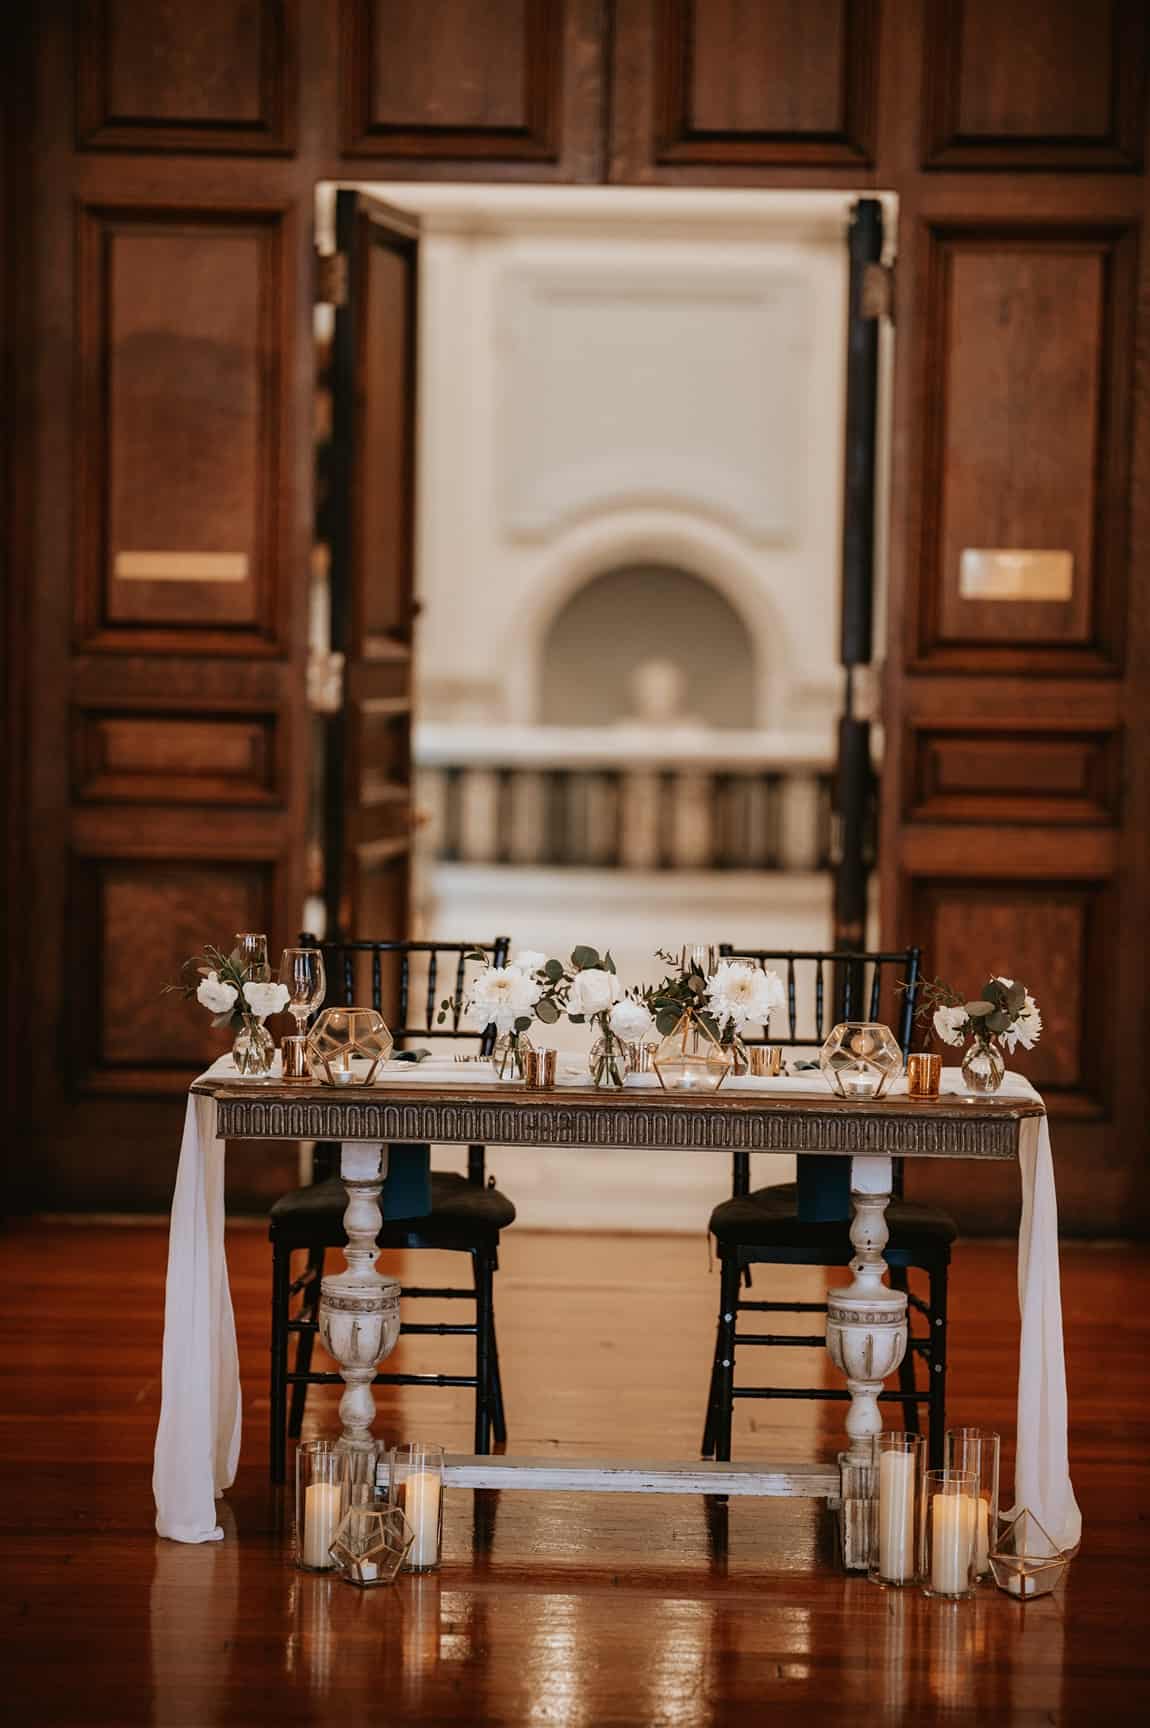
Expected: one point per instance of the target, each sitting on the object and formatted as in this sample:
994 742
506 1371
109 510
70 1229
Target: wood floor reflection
548 1610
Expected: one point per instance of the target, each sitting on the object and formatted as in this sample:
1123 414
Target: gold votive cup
640 1058
293 1049
923 1073
539 1068
764 1059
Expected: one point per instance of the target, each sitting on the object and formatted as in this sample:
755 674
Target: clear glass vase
253 1051
983 1067
507 1056
691 1058
607 1060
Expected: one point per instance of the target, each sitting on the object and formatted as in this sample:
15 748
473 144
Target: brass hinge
331 278
878 291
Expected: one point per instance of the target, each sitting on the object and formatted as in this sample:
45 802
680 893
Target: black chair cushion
769 1218
461 1211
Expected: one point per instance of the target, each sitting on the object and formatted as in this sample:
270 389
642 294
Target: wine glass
301 969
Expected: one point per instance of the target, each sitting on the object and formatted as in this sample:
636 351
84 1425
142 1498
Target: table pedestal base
359 1309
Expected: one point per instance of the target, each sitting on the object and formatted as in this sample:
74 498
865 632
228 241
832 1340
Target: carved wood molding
633 1119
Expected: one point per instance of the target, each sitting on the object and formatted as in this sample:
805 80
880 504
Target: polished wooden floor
548 1610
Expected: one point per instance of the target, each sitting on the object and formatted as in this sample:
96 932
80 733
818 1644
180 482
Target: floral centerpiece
1002 1016
221 983
703 1015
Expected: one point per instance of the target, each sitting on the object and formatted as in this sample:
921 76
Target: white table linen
198 1439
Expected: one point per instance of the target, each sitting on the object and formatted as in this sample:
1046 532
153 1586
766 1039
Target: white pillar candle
896 1516
323 1505
952 1535
421 1509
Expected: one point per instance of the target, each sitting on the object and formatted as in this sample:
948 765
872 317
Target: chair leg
937 1364
498 1414
899 1279
725 1360
483 1284
707 1449
277 1438
306 1340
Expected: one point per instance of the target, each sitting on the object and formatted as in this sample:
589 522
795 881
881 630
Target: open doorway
628 466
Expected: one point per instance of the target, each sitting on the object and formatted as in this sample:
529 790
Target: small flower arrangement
218 982
738 994
1003 1013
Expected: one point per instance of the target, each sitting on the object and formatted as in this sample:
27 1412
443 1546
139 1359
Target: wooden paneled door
370 524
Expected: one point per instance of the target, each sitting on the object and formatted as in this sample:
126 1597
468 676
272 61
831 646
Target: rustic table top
459 1112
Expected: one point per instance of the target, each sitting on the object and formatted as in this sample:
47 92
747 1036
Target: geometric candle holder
372 1541
342 1034
1025 1561
861 1059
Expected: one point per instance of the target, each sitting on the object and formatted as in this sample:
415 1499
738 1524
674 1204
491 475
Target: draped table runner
198 1439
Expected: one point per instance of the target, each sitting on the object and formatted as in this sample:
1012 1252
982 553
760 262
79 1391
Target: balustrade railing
544 799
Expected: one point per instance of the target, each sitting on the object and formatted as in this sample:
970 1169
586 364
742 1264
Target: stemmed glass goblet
301 969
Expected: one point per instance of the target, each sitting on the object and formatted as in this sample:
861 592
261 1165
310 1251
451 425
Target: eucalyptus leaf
999 1020
978 1010
523 1023
553 971
666 1020
577 1019
547 1011
585 959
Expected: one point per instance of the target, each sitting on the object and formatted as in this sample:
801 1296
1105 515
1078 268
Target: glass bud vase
607 1060
983 1067
254 1049
508 1053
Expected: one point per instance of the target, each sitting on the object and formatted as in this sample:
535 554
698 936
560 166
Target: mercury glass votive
923 1074
977 1451
764 1060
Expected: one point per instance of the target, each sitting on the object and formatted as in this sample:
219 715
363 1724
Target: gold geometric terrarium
342 1036
861 1058
1026 1561
691 1058
372 1541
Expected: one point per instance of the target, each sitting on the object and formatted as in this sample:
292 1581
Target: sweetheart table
198 1439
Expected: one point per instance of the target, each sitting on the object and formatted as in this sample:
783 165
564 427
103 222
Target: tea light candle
896 1516
952 1534
323 1505
421 1509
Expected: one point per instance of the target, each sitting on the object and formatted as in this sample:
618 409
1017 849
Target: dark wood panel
1054 935
164 75
453 78
1026 444
768 82
137 757
183 508
966 775
135 921
1012 85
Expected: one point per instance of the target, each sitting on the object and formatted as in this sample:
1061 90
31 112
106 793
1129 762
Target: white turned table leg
359 1309
866 1327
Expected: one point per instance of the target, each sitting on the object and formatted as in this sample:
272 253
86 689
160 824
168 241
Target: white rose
1026 1029
529 960
501 995
220 998
949 1023
265 999
593 992
631 1021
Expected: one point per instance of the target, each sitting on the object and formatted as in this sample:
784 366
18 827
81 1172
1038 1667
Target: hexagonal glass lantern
372 1540
691 1058
343 1037
861 1058
1026 1561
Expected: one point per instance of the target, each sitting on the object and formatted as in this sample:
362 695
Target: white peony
949 1023
1026 1029
631 1021
593 991
501 995
220 998
528 960
742 994
265 999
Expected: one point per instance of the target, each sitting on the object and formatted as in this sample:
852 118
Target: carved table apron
866 1320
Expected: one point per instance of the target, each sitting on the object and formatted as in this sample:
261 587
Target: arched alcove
647 625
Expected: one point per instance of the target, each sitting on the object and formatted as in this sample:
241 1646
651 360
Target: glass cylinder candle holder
976 1450
321 1496
947 1547
900 1459
416 1487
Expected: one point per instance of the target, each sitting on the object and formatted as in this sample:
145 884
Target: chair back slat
792 999
431 968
